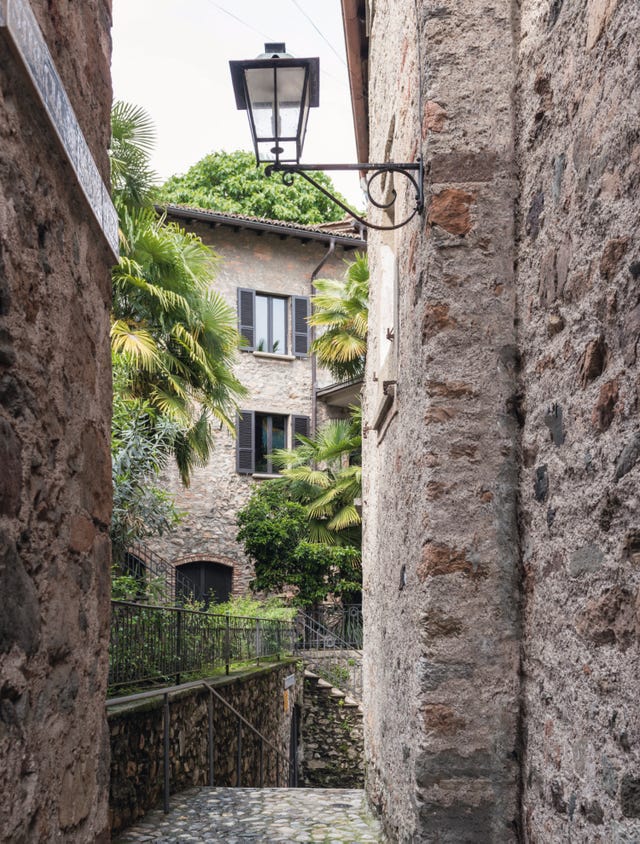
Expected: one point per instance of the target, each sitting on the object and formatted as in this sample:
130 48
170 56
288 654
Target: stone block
593 361
435 118
463 167
630 796
603 412
450 210
585 560
11 475
439 559
609 619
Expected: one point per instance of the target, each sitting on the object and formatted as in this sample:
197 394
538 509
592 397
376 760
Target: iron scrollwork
378 172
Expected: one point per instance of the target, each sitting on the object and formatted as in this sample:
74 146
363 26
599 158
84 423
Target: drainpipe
330 251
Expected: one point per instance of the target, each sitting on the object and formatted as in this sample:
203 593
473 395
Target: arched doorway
213 579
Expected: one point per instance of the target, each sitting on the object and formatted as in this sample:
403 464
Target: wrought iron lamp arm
289 171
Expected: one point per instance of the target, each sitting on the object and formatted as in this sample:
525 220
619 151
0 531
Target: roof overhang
282 229
343 394
354 18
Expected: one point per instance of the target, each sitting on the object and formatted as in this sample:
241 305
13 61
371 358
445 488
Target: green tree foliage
341 308
173 338
275 533
324 475
231 182
140 448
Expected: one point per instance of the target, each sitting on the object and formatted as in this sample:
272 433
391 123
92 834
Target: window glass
262 443
271 324
262 323
279 336
270 433
278 434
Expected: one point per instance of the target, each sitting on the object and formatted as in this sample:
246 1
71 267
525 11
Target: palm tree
324 474
173 337
342 308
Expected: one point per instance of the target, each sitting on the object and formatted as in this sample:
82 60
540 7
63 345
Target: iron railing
158 579
156 644
331 657
343 620
273 767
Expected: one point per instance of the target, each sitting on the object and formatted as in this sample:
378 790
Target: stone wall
501 535
579 315
271 263
440 529
331 739
137 739
55 478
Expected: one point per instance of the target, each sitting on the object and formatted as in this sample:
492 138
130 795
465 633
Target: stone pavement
274 815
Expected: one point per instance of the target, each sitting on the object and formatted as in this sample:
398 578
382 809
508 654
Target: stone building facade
265 272
55 405
501 579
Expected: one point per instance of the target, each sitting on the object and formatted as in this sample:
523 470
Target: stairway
274 815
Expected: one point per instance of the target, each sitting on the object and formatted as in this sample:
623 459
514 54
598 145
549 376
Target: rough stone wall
579 263
137 732
55 478
271 264
331 739
440 533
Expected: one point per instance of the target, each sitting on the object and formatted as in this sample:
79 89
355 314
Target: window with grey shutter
299 425
300 326
245 459
247 316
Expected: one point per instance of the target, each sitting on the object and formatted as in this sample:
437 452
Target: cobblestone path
274 815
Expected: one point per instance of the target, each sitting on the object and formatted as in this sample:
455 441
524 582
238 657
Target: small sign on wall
289 680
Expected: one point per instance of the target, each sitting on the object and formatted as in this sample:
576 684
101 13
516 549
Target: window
263 320
259 434
271 324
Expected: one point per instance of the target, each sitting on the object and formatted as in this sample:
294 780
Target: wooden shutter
245 458
299 425
246 316
300 326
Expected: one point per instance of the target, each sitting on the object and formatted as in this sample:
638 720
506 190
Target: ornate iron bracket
378 171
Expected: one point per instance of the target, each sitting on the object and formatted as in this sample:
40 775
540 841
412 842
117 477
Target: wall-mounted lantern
277 91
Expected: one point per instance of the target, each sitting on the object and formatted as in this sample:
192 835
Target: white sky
172 58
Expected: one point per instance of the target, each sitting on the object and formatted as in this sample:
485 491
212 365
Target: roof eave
281 229
357 49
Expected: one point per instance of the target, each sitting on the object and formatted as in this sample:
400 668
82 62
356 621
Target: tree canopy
233 183
173 338
341 307
274 530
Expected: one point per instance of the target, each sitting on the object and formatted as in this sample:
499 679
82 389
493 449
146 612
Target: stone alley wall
331 738
137 739
502 444
579 322
441 545
55 473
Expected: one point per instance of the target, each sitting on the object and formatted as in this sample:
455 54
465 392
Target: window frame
270 299
297 330
246 428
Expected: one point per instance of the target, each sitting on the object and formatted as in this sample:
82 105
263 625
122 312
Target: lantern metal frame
412 171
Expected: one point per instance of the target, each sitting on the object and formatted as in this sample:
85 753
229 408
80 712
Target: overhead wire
240 20
319 31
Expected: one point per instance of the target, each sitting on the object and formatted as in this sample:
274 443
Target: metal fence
332 658
157 577
344 621
155 644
